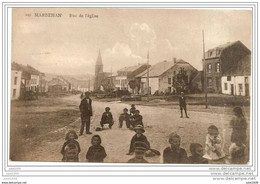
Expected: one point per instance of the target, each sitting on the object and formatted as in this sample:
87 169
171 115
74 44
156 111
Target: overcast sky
69 45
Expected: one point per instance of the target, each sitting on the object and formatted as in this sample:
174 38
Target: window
228 78
14 92
209 81
169 89
15 80
169 80
225 86
246 79
240 87
209 68
217 67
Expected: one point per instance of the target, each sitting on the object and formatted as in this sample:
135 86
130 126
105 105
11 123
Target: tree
180 81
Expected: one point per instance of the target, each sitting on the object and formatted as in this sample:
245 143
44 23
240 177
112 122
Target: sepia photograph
131 85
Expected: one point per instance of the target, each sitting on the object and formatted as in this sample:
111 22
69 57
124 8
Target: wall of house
16 77
153 84
235 81
121 82
35 81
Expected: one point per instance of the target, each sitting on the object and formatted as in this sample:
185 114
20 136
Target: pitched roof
130 68
241 68
29 69
160 68
216 51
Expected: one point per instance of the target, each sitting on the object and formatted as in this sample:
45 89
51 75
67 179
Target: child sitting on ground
132 110
96 152
139 129
67 146
213 147
197 154
124 117
174 153
137 119
140 149
107 118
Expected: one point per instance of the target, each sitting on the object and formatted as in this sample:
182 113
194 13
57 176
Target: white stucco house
236 81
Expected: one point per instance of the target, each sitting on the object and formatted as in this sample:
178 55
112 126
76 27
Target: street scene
143 94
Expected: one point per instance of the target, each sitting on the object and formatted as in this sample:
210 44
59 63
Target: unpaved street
159 123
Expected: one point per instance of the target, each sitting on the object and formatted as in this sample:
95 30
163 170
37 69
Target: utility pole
89 84
148 89
205 76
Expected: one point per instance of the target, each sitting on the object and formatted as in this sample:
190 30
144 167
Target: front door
247 89
232 89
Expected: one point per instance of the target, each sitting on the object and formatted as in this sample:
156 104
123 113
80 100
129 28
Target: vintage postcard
131 85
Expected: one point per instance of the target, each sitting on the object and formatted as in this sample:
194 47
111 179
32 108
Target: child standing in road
213 145
96 152
196 157
238 136
124 117
137 119
132 110
174 153
70 146
139 129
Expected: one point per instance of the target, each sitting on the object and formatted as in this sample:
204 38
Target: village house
236 81
162 76
219 60
59 84
24 78
126 74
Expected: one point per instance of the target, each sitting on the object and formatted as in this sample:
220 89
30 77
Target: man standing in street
86 112
182 103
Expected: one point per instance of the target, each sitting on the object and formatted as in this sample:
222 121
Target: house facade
236 81
218 61
163 76
16 81
127 74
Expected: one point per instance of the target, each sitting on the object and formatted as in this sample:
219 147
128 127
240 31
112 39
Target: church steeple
99 64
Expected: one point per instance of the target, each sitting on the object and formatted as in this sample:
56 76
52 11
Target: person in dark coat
174 154
196 157
140 149
182 104
67 147
96 152
139 129
137 119
132 110
107 118
124 117
86 112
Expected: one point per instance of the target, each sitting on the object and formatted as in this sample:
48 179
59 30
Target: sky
70 45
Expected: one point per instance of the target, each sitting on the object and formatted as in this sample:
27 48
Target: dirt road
159 123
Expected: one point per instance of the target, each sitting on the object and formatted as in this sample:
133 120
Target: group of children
140 145
132 120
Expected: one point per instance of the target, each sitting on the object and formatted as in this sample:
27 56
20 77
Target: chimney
174 60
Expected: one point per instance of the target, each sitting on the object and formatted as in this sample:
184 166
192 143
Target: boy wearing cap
138 137
107 118
140 148
174 153
182 104
124 117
